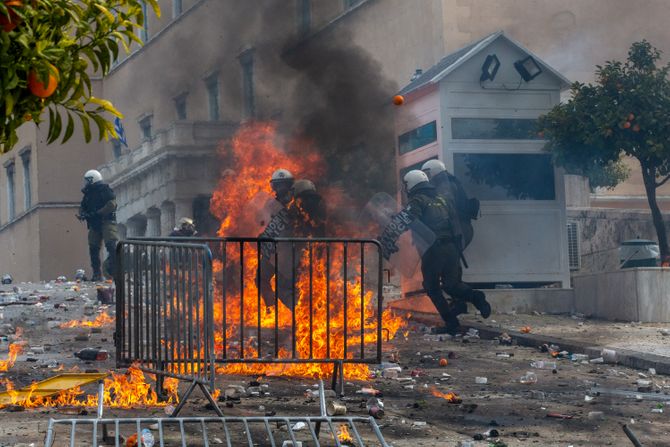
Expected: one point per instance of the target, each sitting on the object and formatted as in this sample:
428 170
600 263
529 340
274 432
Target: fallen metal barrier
328 281
164 313
322 430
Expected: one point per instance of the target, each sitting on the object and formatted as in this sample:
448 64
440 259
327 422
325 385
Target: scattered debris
91 354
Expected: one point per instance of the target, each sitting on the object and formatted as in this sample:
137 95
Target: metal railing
164 313
330 290
322 430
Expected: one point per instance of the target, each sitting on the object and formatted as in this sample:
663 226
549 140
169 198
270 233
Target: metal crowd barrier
164 313
232 431
344 264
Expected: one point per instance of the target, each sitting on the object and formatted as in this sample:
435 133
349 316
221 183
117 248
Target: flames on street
129 390
103 319
14 350
450 397
343 435
256 153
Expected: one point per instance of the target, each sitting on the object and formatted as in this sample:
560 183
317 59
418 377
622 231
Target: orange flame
450 397
256 152
14 350
129 390
343 434
103 319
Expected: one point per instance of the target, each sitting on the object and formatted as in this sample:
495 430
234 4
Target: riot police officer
440 264
98 209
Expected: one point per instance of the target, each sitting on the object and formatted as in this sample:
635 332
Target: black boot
451 327
94 253
483 306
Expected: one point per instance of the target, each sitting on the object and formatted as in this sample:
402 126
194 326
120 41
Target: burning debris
121 390
103 319
14 350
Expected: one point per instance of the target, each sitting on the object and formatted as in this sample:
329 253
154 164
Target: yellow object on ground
50 386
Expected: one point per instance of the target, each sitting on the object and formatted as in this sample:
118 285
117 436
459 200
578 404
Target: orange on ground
525 329
398 100
444 362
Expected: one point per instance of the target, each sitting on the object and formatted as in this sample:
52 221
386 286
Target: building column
168 221
153 222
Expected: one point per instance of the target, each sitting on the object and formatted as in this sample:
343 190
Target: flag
121 134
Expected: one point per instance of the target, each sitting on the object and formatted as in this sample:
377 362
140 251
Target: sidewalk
638 345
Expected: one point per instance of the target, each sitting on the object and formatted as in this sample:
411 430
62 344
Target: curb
625 357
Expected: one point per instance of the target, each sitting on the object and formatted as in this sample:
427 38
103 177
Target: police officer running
186 228
98 209
451 189
440 264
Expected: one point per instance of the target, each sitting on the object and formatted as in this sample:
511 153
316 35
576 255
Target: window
304 17
417 138
247 62
145 128
11 209
494 129
27 190
144 32
506 176
176 8
180 106
213 95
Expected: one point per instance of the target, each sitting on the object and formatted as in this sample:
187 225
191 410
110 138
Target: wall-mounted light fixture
490 68
528 68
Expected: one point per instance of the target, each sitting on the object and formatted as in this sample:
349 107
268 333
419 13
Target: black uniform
307 213
183 232
98 208
440 264
451 189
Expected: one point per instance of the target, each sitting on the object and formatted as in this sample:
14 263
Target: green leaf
69 129
55 128
86 125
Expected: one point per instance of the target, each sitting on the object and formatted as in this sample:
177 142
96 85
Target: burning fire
14 350
255 154
450 397
103 319
129 390
343 434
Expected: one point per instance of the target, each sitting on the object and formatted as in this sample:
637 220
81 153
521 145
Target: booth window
417 138
494 129
506 176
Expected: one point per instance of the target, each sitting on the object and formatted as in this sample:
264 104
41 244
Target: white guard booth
476 110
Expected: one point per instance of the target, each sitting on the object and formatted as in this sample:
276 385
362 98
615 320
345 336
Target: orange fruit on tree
636 128
631 117
8 23
37 87
398 100
626 125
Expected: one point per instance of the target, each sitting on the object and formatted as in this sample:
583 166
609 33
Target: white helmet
281 175
433 167
91 177
413 178
303 185
185 221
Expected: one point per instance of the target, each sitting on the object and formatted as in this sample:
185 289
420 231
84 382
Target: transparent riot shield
404 239
259 213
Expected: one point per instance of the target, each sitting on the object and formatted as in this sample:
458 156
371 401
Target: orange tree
48 51
624 113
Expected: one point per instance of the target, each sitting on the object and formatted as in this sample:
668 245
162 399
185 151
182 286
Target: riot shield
259 213
400 246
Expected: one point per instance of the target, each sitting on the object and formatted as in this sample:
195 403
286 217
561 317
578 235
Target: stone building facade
197 78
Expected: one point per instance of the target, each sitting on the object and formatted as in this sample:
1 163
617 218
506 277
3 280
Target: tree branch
662 182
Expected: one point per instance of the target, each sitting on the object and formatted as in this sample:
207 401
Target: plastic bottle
147 438
542 364
529 378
